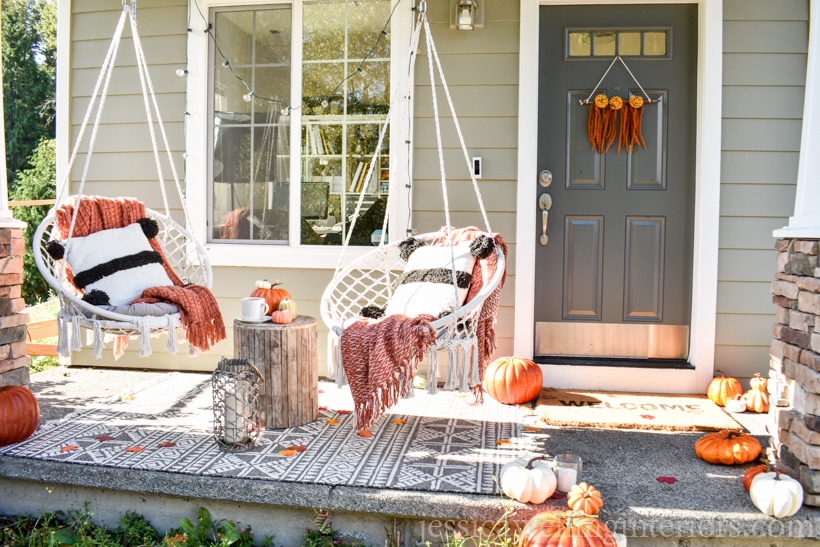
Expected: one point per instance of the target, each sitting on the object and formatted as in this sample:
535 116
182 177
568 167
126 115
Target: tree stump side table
286 357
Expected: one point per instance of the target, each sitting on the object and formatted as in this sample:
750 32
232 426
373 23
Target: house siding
764 69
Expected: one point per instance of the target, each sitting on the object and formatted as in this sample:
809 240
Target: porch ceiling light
466 14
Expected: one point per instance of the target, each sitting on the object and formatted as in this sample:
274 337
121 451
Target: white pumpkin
528 480
776 495
738 404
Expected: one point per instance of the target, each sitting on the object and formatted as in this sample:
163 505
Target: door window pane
580 44
603 44
629 43
249 161
654 43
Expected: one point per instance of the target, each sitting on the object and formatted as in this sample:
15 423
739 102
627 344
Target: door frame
706 214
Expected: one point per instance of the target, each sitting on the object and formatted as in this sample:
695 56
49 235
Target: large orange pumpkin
513 380
723 388
271 292
727 447
566 528
19 414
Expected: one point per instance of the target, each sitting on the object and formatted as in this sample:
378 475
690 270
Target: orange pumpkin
271 292
281 317
751 473
566 528
513 380
585 498
727 447
757 398
723 388
19 414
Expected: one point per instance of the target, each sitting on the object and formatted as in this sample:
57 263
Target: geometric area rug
621 410
427 442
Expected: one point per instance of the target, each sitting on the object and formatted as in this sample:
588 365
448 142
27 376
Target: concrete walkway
707 504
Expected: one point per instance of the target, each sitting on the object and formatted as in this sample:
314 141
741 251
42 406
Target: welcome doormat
611 409
429 442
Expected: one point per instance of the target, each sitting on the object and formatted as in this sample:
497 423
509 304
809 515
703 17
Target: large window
255 186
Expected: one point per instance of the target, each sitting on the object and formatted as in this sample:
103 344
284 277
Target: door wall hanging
611 117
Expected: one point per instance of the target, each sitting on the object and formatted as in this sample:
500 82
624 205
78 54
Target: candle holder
235 385
567 471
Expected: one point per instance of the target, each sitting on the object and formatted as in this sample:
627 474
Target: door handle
545 203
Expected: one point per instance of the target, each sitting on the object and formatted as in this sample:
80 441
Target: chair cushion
426 286
113 267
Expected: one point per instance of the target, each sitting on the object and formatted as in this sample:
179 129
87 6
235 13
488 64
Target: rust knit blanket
380 356
199 311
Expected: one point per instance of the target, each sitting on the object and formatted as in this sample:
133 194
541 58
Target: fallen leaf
332 422
102 438
129 397
647 416
399 421
288 452
322 408
364 433
297 447
503 442
135 449
69 447
558 496
321 391
532 428
344 412
166 444
668 480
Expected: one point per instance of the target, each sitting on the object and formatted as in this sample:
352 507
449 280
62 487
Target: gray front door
614 272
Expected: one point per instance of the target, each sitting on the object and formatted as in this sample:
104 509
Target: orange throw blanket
198 309
380 356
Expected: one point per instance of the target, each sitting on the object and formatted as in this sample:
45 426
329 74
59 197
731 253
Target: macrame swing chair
372 280
183 259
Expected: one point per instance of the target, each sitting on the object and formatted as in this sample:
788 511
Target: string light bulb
181 72
248 97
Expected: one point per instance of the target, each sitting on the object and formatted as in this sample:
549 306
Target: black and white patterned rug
427 442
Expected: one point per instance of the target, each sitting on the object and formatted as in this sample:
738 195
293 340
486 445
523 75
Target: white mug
254 308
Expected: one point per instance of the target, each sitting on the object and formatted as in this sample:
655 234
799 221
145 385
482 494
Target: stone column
794 377
14 361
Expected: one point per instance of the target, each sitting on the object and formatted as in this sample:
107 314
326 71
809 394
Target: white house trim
806 220
62 122
707 214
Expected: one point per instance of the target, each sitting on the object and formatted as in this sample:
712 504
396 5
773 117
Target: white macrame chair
182 252
371 279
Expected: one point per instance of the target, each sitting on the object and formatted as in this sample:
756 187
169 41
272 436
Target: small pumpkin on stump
727 447
271 292
566 528
585 498
281 317
513 380
757 398
19 414
723 388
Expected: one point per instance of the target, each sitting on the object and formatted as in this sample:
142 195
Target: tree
36 182
29 49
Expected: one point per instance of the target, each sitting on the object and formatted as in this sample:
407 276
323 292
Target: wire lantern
236 384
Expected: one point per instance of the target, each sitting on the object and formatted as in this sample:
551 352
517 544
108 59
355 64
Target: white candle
231 436
566 478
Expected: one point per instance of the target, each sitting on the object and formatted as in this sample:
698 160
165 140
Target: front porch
706 505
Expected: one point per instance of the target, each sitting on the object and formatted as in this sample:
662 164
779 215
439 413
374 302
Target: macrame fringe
76 343
98 344
463 363
62 335
432 378
172 336
475 377
452 380
145 339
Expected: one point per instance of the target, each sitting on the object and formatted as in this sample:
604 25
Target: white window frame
294 254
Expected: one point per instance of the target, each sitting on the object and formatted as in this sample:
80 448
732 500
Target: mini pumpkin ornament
738 404
727 447
281 317
776 494
271 292
289 304
19 414
528 480
585 498
513 380
566 528
757 398
723 388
